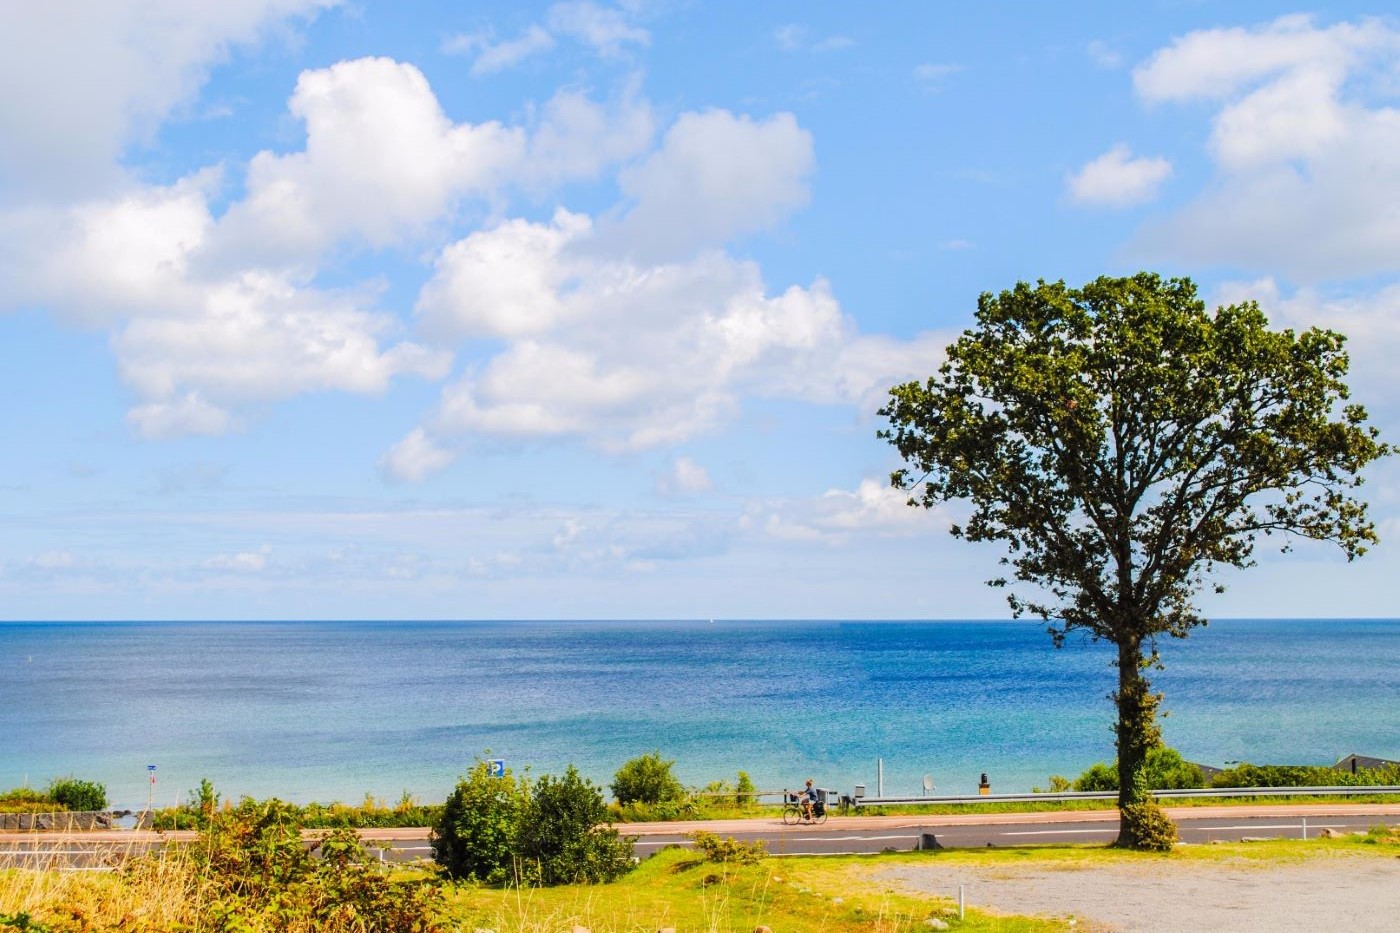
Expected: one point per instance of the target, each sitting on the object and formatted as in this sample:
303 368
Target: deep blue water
334 710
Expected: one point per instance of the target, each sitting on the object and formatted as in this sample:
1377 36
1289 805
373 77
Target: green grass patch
681 889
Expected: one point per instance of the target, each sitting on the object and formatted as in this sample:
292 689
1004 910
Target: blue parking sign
496 767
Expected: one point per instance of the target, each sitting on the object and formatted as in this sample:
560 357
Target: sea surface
335 710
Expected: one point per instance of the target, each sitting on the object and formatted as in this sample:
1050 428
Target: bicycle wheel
791 814
819 819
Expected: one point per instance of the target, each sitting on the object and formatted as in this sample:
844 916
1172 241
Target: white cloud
179 416
629 355
242 562
716 177
53 560
499 56
684 478
89 78
381 159
415 458
1116 179
933 74
209 313
1307 149
605 31
873 508
795 38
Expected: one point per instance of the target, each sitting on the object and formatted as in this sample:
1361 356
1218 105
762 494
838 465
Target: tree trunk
1141 823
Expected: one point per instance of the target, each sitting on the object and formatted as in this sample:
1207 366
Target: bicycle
793 814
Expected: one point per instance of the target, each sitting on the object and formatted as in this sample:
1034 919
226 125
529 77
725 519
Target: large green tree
1122 443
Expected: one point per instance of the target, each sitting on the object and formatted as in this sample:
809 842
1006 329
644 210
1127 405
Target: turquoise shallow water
336 709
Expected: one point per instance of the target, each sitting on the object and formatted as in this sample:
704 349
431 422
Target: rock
579 928
838 900
762 929
933 923
667 930
1329 834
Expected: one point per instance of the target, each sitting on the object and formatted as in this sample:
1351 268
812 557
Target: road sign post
496 767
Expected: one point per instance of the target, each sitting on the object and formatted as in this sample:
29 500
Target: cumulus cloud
630 355
415 458
726 175
684 478
210 313
98 76
1308 155
381 158
1117 179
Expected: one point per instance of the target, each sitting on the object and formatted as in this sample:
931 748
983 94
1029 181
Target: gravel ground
1355 894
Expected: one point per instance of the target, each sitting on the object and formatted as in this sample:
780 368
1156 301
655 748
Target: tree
646 779
475 836
1123 444
561 839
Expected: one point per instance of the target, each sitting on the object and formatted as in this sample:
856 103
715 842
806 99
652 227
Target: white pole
1305 827
962 904
880 777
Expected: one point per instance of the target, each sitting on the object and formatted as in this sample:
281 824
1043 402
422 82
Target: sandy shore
1358 894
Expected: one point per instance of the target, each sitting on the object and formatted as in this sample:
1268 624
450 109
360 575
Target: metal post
962 902
880 777
1305 827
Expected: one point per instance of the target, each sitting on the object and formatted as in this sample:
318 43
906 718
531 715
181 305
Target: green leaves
1123 443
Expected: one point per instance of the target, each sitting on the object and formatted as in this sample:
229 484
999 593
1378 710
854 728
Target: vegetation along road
840 835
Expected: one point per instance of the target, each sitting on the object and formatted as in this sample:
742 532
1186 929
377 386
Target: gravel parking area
1358 894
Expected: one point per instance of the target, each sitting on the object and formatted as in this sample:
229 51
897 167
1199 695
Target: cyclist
807 798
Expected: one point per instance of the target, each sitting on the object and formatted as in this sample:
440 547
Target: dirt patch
1357 894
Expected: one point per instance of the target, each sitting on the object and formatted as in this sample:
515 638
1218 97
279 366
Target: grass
676 888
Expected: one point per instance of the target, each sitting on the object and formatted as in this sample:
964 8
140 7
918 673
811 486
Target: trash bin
859 792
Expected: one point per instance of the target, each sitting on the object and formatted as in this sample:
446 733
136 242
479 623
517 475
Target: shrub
646 779
1164 769
560 839
1248 775
729 850
74 794
475 836
1144 825
26 800
258 875
745 793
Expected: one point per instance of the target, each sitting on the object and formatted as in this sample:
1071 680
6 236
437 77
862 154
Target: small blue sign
150 767
496 767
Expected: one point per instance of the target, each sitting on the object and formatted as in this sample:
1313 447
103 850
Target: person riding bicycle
807 799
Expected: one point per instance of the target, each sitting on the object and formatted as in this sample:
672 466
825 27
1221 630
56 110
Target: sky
318 309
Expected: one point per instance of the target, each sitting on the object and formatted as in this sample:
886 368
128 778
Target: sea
337 710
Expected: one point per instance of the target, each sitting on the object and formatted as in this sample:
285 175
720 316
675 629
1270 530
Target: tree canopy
1123 443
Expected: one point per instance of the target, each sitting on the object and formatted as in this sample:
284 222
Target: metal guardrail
1347 790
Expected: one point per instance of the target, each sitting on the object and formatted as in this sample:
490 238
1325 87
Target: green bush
560 839
1144 825
258 874
27 800
1164 769
1248 775
647 779
475 836
745 793
74 794
729 850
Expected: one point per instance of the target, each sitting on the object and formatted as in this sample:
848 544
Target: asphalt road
99 851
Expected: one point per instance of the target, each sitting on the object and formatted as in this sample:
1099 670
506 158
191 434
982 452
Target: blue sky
581 309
